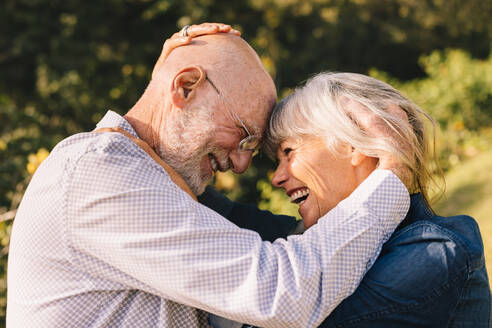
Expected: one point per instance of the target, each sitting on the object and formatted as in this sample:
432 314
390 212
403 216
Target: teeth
213 162
299 194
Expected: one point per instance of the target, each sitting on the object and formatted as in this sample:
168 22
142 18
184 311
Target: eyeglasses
248 143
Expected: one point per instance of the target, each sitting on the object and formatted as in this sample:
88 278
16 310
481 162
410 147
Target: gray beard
185 147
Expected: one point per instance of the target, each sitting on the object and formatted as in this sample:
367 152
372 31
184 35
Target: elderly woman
431 272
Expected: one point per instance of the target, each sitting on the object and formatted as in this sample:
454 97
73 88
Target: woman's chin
311 212
309 216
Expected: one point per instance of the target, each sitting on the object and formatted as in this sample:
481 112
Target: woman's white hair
324 107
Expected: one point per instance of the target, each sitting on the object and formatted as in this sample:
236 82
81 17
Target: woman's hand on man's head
192 31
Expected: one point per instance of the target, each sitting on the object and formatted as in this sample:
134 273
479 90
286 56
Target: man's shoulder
108 156
105 144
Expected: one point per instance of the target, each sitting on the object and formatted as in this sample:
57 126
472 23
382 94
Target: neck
147 122
147 119
364 169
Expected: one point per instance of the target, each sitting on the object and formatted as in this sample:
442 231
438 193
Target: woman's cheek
307 174
298 168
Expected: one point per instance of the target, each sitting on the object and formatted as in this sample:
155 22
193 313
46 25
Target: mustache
222 159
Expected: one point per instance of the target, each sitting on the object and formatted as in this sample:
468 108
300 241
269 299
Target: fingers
392 129
397 111
376 125
224 28
206 29
178 40
210 28
193 31
170 44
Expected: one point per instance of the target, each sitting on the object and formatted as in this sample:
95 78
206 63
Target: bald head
232 65
217 49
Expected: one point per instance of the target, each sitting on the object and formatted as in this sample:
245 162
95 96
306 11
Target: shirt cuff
386 196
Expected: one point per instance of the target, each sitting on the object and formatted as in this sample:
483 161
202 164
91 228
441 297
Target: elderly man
105 237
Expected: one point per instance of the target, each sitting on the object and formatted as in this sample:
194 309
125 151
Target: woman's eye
287 151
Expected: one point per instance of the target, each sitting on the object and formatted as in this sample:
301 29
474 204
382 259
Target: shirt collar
113 119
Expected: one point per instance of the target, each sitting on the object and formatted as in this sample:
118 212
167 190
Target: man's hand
378 127
387 161
177 40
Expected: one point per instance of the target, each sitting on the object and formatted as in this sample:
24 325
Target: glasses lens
249 143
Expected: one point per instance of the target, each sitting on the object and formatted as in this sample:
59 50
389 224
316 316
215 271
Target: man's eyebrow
255 130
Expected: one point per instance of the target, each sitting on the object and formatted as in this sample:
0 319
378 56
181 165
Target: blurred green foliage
469 191
457 92
64 63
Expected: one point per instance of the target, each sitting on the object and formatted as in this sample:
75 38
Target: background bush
63 64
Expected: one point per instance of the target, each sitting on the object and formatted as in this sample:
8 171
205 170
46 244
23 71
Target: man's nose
280 176
240 160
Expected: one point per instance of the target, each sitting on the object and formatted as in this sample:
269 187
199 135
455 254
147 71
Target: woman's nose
240 160
280 175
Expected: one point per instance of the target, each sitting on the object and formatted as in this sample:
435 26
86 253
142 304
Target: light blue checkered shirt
103 238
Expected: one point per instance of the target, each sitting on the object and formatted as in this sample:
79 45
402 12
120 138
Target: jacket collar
419 210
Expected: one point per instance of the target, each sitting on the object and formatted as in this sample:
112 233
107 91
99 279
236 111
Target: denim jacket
430 273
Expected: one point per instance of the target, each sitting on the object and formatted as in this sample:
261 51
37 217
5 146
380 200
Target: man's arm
148 234
268 225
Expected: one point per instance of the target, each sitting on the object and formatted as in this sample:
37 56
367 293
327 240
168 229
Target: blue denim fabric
430 273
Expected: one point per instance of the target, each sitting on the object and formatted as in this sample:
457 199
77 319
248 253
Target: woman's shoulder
458 237
428 266
420 276
424 261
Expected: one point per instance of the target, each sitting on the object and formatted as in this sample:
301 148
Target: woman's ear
185 83
363 163
357 157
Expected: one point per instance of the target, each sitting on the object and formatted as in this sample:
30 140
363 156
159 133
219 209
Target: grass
469 191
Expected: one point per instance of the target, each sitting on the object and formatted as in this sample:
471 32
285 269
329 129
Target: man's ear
185 83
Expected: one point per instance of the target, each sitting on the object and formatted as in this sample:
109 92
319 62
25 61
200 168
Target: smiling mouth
299 196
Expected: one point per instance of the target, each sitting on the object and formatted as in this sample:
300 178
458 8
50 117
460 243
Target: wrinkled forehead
252 100
258 109
282 125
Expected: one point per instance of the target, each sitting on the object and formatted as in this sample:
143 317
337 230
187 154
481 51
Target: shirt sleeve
268 225
126 222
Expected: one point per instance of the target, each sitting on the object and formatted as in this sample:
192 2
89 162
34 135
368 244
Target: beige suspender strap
177 179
